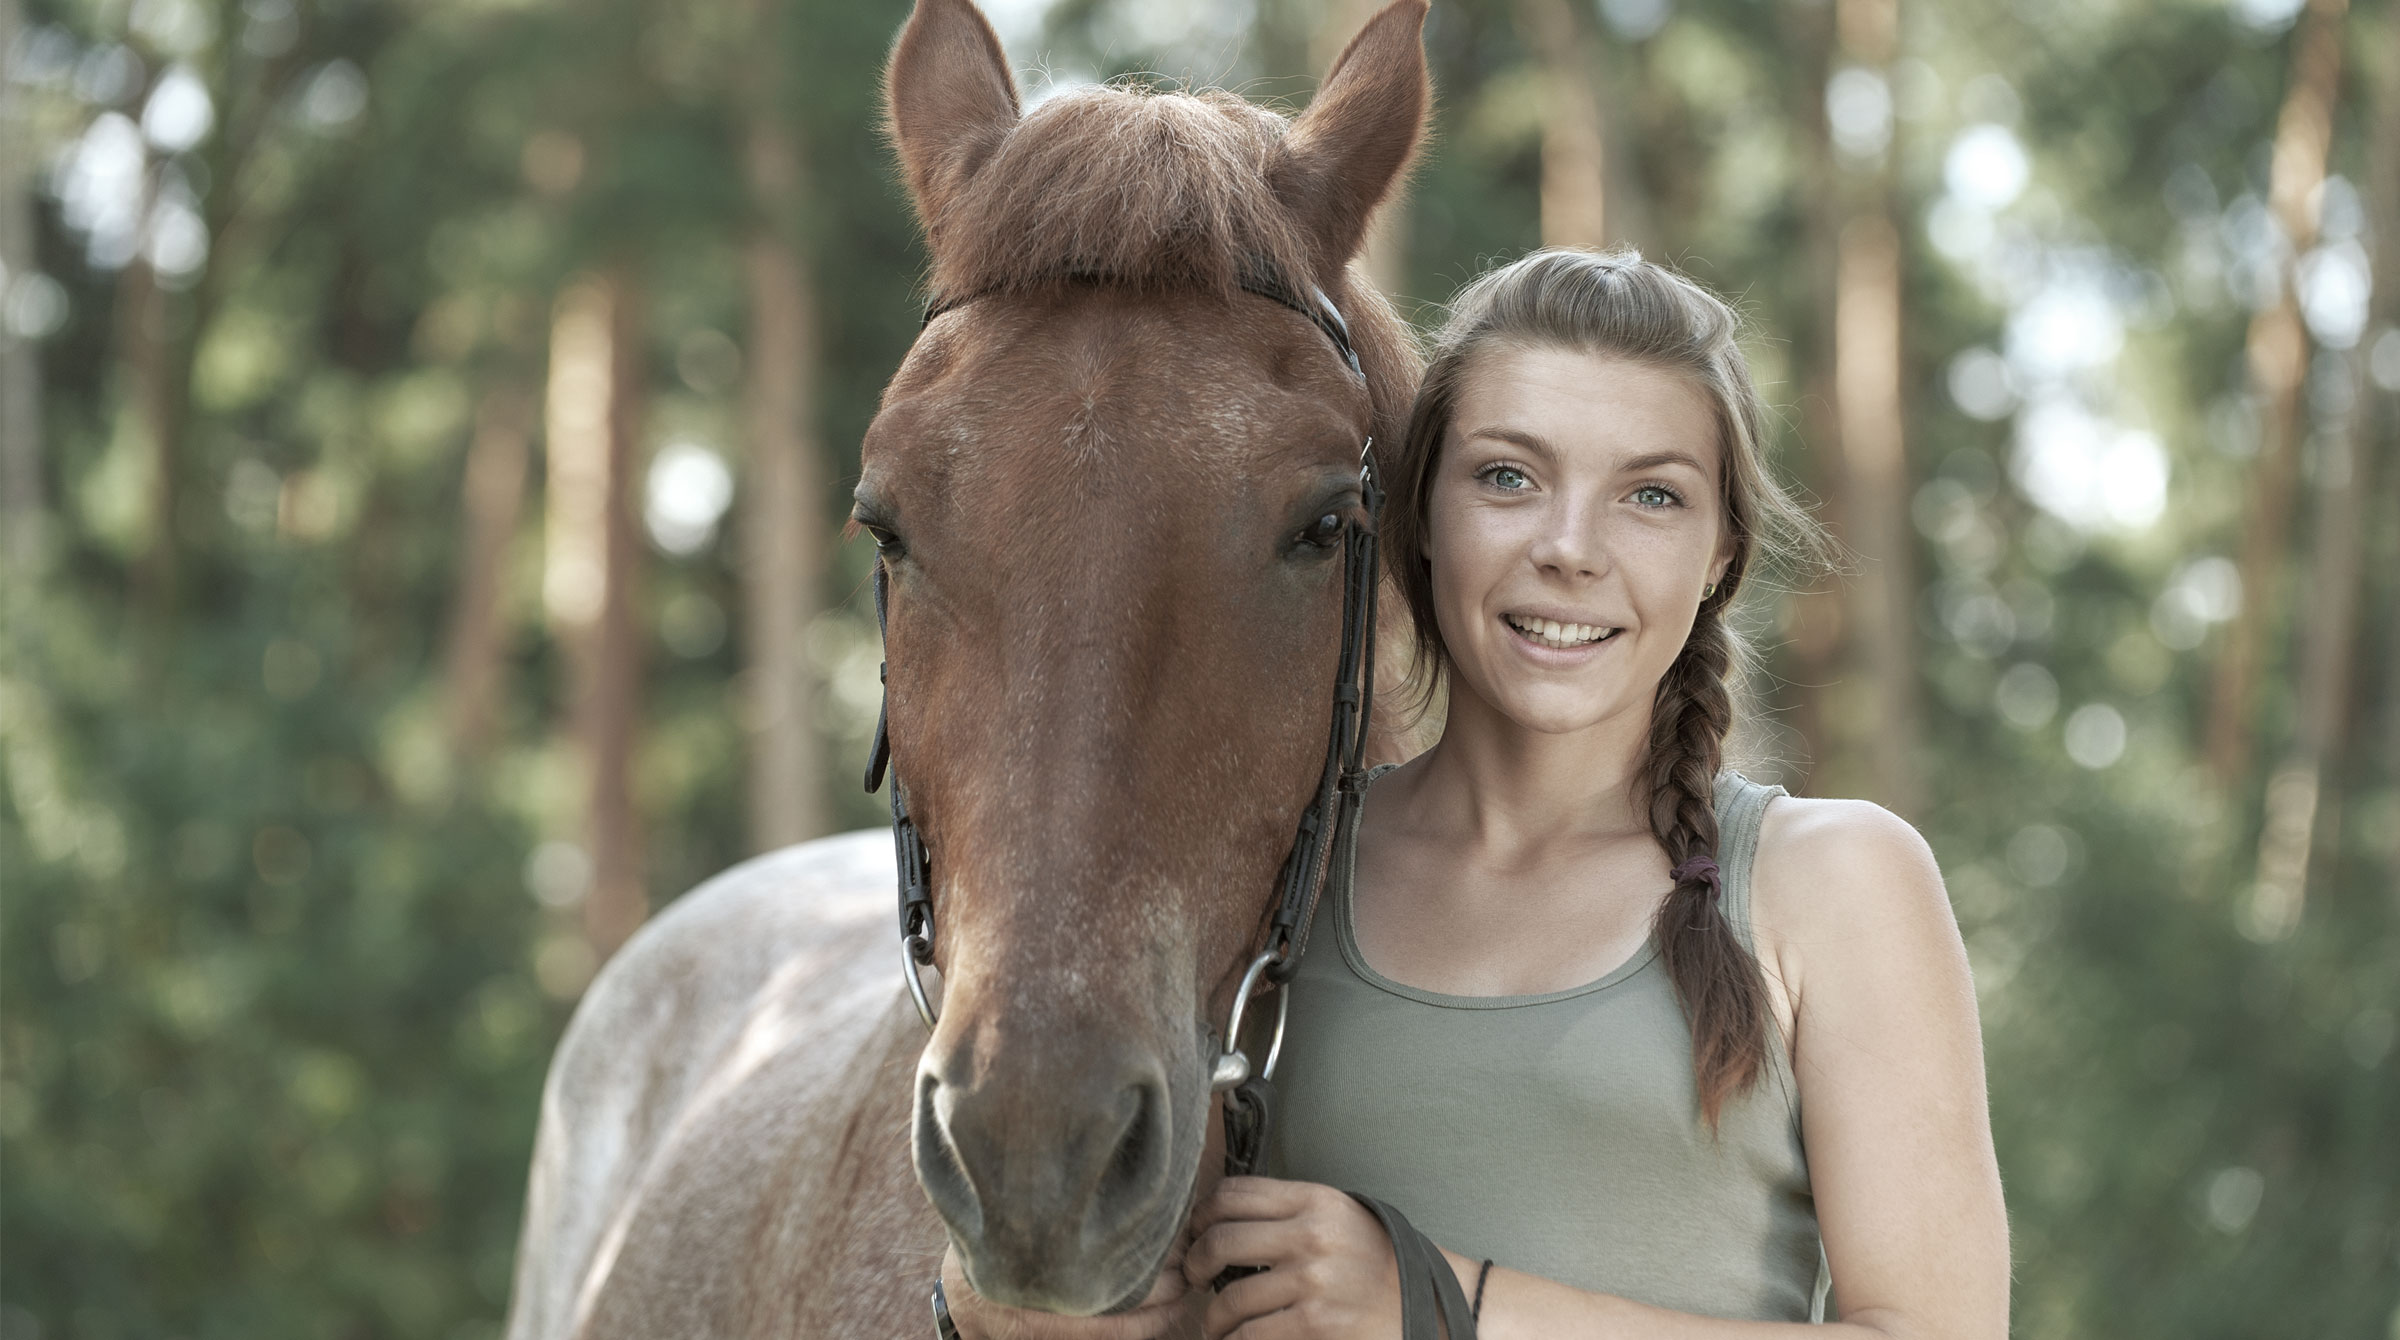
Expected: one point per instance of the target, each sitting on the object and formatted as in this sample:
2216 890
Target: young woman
1637 1031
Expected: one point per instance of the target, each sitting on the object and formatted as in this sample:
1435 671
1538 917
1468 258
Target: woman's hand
1330 1270
1169 1312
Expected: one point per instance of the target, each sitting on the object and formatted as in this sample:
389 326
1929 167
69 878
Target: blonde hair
1618 304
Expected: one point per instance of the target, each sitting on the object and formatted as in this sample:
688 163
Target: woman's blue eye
1506 477
1655 495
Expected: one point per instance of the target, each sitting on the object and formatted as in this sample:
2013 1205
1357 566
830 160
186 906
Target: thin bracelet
1480 1276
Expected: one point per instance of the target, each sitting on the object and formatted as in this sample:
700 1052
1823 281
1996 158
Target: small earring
1709 590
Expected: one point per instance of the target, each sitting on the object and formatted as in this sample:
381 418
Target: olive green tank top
1559 1134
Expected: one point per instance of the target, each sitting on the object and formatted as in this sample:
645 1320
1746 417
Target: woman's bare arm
1890 1069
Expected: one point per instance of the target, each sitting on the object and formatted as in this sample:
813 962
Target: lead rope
1429 1290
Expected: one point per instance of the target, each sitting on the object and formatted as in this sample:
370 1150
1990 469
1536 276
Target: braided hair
1617 304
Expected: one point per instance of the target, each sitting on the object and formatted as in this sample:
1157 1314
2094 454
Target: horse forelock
1146 188
1155 191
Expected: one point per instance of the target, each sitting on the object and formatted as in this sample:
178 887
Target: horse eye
887 541
1326 532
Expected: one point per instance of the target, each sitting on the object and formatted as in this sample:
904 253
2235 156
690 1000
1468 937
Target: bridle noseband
1308 868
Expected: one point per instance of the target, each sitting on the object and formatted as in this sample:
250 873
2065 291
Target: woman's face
1573 521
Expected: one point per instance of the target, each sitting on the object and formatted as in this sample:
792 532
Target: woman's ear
1723 562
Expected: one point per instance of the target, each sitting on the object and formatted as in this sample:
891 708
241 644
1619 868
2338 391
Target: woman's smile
1558 635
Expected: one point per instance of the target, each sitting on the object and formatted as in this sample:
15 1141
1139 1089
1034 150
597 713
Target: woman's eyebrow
1530 441
1655 459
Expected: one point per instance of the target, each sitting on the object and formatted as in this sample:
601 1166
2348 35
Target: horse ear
1347 150
948 98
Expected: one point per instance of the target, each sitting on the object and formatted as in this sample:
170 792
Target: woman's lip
1552 654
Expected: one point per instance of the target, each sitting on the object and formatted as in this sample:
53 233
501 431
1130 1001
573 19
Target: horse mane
1156 190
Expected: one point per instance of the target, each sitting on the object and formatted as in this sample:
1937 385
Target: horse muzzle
1063 1185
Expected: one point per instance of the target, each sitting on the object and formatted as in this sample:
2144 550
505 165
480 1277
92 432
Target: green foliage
272 1041
276 1020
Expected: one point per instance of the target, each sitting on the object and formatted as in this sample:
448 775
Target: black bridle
1331 812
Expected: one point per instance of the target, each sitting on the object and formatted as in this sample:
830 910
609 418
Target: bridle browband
1333 811
1256 276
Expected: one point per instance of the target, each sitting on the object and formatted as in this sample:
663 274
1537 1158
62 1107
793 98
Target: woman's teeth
1551 633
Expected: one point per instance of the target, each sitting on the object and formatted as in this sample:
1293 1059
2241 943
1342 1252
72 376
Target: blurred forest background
424 426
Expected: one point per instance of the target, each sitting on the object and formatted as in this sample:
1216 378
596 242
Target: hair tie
1701 867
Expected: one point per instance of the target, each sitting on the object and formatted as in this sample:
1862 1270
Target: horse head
1105 484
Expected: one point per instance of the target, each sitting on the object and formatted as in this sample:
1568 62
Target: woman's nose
1570 543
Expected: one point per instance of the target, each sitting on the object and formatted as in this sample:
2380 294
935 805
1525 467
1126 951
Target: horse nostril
938 1168
1137 1161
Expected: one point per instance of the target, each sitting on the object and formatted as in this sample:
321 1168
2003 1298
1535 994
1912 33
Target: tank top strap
1741 808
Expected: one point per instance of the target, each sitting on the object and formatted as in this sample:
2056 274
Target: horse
1102 484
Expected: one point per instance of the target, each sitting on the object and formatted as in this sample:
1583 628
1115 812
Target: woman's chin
1554 709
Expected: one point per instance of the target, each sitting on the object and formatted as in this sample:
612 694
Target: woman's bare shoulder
1817 834
1836 878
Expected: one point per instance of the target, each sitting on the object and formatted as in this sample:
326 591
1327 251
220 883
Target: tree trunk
493 497
156 380
1574 143
2383 424
2277 356
159 331
144 340
1855 646
21 505
589 574
2304 808
1816 631
1867 394
783 530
